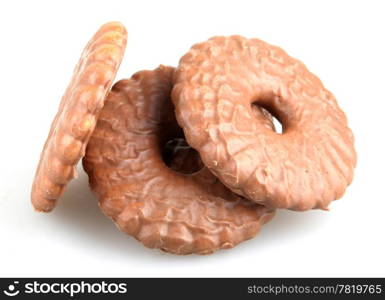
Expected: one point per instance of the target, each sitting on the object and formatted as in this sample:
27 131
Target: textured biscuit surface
76 118
307 166
175 212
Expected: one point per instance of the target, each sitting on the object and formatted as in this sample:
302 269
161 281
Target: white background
340 41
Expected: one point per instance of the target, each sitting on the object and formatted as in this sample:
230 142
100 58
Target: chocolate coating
307 166
76 118
175 212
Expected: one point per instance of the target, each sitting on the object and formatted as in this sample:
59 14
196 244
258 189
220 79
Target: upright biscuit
78 111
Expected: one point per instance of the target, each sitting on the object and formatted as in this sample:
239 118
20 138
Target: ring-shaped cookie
175 212
307 166
78 111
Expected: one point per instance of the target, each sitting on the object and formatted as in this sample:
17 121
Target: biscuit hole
277 125
180 157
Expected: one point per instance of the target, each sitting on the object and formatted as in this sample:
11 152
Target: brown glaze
78 111
160 207
307 166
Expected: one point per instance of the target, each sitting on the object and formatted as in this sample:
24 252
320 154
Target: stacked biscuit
187 160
